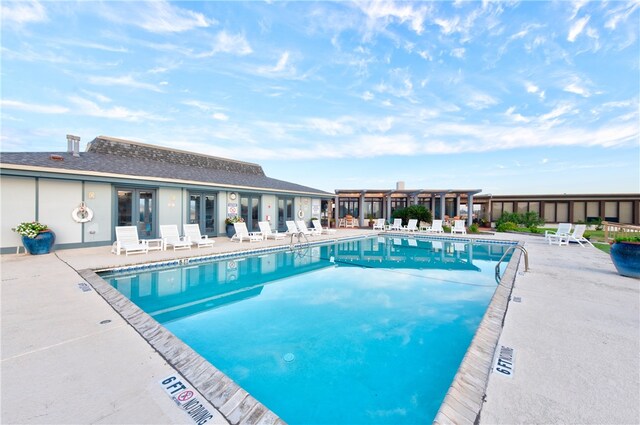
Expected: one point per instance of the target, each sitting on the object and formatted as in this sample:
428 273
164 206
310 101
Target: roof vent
400 186
55 157
73 145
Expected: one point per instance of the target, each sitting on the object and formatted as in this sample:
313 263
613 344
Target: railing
511 248
615 230
300 235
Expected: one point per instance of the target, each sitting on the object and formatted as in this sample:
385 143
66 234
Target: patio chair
292 229
242 233
412 226
127 240
318 227
171 237
396 225
576 236
563 229
267 233
302 227
458 227
379 224
192 231
436 227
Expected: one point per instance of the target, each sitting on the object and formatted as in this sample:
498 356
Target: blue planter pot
41 244
626 258
230 230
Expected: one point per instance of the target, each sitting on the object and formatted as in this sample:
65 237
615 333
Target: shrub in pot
625 254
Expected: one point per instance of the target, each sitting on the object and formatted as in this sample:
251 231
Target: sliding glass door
250 211
285 212
202 211
136 207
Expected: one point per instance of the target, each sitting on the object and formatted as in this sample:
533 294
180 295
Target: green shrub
447 229
627 239
508 226
418 212
473 228
530 220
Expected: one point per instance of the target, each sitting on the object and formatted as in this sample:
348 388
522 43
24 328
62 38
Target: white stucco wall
56 200
172 207
269 208
99 198
17 204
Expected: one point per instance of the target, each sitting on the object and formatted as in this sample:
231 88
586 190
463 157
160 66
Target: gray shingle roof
188 166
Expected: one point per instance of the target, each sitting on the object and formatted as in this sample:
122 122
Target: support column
433 205
337 211
361 208
469 209
457 211
442 205
389 208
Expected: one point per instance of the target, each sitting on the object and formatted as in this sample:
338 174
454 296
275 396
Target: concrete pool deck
575 332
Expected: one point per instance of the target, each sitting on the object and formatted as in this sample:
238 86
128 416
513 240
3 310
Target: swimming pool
366 331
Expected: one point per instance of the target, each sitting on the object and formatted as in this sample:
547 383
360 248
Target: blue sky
508 97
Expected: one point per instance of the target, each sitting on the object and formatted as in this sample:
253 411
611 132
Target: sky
513 97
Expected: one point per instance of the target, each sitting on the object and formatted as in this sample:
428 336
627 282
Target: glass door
136 207
202 207
250 211
285 212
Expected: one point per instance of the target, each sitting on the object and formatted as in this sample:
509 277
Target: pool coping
462 403
465 397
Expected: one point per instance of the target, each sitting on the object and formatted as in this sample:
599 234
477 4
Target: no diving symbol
185 395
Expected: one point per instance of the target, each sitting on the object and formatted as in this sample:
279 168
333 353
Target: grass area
605 247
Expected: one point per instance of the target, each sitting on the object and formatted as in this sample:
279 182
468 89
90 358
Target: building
382 203
565 208
568 208
126 183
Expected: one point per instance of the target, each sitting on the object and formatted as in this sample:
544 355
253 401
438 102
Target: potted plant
625 254
37 238
371 220
229 221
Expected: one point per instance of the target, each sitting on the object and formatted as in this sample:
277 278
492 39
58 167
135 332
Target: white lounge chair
412 226
192 231
292 229
436 227
267 233
458 227
379 224
319 228
576 236
302 227
127 240
171 237
396 225
242 233
563 230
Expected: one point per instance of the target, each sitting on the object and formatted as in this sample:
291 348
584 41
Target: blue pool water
367 331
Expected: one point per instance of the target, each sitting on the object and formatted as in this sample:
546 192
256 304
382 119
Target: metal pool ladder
512 248
299 234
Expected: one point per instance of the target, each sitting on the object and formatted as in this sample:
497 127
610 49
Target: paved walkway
576 334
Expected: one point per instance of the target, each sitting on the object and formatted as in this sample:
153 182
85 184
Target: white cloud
283 68
448 26
510 113
577 89
458 53
33 107
22 12
125 80
480 101
220 116
98 96
382 13
367 96
235 44
87 107
621 14
577 28
531 88
155 16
